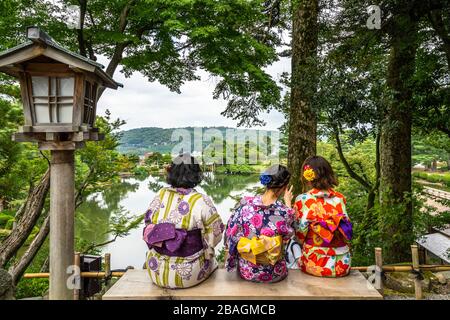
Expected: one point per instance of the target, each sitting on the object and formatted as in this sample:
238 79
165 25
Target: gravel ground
427 297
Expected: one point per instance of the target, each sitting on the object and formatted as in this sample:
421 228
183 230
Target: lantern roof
41 44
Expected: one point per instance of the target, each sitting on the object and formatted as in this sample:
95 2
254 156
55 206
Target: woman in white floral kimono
182 229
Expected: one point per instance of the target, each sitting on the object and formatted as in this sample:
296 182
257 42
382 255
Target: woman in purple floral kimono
182 229
258 229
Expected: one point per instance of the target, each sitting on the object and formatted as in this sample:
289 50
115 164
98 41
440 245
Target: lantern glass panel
67 86
42 113
53 86
65 113
40 86
53 99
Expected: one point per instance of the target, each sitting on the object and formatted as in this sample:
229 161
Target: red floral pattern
325 251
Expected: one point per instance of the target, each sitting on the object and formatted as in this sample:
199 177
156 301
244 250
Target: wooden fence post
379 269
416 268
77 262
107 265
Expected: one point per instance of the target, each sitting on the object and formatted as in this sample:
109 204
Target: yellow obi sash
261 250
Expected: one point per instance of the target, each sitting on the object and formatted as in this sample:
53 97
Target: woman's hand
288 196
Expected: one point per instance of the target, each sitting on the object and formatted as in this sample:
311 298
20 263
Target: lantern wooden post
62 208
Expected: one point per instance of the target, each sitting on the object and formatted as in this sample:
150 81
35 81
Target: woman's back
194 227
253 221
324 229
182 229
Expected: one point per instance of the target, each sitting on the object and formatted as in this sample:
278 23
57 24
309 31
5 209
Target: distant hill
154 139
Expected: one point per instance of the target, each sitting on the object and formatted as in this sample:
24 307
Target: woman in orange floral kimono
322 224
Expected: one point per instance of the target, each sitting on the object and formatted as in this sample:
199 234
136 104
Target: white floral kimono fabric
187 210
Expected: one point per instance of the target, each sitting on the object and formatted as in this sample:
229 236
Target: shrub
9 224
4 219
4 233
37 287
6 215
140 171
236 169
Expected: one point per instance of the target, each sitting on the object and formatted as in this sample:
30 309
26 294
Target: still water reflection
95 215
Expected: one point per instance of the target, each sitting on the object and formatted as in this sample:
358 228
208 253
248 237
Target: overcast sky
148 104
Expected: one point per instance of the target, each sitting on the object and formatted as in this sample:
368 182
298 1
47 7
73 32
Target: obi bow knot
164 234
326 228
261 250
167 240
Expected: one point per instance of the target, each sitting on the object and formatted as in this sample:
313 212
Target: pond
132 196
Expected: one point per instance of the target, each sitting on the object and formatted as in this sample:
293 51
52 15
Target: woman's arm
232 236
153 209
301 223
212 223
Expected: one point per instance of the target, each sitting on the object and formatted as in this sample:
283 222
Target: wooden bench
136 285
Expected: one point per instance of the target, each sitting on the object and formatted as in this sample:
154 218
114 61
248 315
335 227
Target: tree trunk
80 31
395 186
19 267
31 213
302 118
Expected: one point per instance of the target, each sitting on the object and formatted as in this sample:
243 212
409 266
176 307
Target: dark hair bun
184 172
280 176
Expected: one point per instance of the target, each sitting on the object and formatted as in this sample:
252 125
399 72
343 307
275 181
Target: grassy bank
441 178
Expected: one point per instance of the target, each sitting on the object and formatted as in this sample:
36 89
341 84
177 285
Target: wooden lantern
59 91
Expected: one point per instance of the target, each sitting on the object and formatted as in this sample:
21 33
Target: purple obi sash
167 240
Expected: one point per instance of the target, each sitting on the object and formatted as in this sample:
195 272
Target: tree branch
79 194
93 246
347 166
80 31
435 18
32 211
120 47
377 160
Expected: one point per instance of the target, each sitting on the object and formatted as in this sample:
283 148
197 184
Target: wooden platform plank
136 285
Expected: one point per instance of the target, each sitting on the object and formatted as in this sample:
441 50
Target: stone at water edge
443 276
6 286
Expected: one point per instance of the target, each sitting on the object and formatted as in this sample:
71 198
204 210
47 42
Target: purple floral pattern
153 264
253 218
183 208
